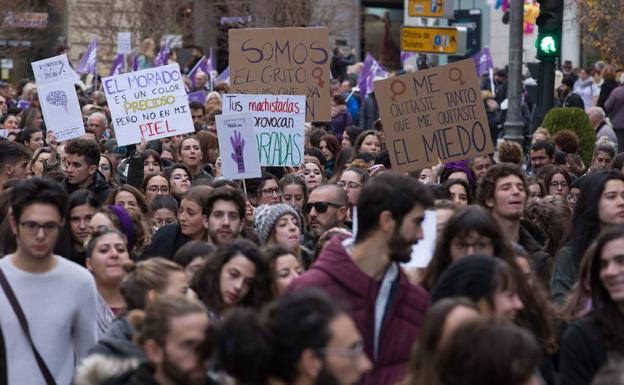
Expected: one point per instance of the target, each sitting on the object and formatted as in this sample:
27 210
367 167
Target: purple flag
118 65
163 54
88 61
197 96
483 61
223 76
204 65
406 55
370 71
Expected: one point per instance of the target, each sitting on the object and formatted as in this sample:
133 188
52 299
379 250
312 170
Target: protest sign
57 94
124 43
236 135
150 104
433 115
278 121
283 61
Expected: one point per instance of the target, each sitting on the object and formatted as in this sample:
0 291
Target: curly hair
487 185
207 280
510 152
549 214
567 141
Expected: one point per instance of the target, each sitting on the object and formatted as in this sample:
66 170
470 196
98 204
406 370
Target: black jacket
98 186
583 353
117 342
167 240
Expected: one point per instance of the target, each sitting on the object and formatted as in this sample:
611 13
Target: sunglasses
320 207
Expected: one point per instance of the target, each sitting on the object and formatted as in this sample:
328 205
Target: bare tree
603 27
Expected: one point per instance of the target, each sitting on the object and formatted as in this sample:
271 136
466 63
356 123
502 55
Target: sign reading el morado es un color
150 104
433 115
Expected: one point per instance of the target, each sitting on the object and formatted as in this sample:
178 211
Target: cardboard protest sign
434 114
236 135
279 123
150 104
283 61
57 94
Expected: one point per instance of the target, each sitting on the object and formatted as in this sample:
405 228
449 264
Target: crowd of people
142 264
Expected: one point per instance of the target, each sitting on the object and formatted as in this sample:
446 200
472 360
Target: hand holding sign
238 144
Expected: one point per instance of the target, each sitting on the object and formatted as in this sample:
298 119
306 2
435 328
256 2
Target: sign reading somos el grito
283 61
150 104
433 115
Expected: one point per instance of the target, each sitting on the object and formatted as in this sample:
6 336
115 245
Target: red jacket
336 272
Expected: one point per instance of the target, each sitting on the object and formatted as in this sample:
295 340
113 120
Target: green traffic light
548 45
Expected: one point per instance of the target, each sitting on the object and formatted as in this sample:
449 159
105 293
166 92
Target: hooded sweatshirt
405 307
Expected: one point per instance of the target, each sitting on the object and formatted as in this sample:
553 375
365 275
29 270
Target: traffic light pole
514 126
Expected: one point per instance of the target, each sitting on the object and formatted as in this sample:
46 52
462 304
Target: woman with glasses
269 191
558 181
154 185
179 179
535 190
352 180
472 230
37 163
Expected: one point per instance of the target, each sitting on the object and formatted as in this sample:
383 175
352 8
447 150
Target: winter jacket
167 240
98 186
117 342
369 112
605 91
564 275
541 259
339 122
98 369
614 106
335 272
583 353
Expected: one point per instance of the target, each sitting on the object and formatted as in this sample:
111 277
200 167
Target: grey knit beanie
266 216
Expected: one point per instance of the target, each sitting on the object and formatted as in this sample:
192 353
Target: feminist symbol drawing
57 98
238 144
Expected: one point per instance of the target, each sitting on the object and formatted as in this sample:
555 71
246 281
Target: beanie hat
266 216
471 277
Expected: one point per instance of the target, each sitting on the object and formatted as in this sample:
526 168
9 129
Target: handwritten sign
124 43
150 104
237 137
434 114
279 123
283 61
57 94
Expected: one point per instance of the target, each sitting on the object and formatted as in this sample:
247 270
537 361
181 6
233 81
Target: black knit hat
471 277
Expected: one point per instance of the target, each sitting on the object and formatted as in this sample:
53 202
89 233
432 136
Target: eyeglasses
155 189
320 207
32 227
353 352
271 191
348 185
476 246
559 184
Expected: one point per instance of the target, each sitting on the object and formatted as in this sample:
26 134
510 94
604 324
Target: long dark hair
585 219
462 223
65 241
606 312
206 282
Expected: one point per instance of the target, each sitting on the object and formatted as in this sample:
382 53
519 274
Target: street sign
471 19
429 8
436 40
